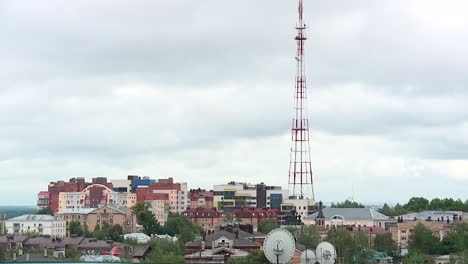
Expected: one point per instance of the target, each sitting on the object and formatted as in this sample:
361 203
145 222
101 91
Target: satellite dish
308 257
326 253
279 246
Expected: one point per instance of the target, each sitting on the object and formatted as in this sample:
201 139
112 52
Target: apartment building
200 198
42 224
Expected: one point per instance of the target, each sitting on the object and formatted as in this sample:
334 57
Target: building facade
41 224
402 231
43 200
97 217
164 196
227 197
348 217
200 198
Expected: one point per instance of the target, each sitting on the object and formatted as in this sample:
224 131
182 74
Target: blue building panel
141 182
276 199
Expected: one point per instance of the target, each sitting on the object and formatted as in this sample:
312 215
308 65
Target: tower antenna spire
300 167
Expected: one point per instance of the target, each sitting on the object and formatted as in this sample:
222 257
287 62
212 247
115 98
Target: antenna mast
300 168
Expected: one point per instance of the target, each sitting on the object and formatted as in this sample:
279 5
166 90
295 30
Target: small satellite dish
326 253
308 257
279 246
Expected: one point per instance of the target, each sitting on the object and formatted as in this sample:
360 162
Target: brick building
200 198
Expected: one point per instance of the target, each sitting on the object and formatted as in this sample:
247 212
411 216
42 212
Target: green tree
253 257
309 237
423 240
46 211
385 243
348 204
415 258
182 227
73 254
146 218
342 241
116 233
459 258
2 255
75 228
417 204
267 225
165 251
360 248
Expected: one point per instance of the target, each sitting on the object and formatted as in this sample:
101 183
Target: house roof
34 217
350 214
76 211
14 239
432 214
238 242
138 236
140 250
100 244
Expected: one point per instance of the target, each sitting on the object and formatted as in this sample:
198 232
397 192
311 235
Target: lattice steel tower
300 168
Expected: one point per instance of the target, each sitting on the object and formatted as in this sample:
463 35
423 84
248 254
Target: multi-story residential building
227 197
177 193
93 196
43 200
208 218
124 186
402 231
159 204
303 207
74 185
42 224
92 217
200 198
137 181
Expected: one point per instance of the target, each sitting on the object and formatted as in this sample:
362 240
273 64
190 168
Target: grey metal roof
76 211
34 217
433 214
350 213
238 242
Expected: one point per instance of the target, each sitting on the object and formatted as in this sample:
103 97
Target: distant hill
14 211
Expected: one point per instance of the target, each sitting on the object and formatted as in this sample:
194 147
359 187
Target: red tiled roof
201 213
43 193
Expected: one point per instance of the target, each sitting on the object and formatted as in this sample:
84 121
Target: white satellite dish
308 257
279 246
326 253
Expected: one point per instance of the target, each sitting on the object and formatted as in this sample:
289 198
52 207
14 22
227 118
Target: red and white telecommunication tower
300 168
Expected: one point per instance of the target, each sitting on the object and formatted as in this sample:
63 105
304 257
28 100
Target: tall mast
300 168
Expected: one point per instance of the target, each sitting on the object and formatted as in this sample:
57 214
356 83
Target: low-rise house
11 242
141 238
222 238
359 217
139 252
35 223
254 216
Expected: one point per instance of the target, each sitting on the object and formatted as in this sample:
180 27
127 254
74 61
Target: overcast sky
202 91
